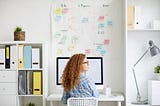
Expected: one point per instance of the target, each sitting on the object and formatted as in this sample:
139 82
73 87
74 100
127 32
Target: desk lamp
154 50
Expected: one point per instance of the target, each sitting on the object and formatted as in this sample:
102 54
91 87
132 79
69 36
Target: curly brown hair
72 71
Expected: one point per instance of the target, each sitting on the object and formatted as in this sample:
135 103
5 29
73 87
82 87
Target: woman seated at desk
74 80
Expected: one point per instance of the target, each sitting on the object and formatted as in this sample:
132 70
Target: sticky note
101 18
58 10
106 41
87 51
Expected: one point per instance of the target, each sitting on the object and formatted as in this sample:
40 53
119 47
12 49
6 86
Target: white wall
137 45
113 59
33 16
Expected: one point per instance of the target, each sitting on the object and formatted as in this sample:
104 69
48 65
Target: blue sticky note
99 48
103 52
101 25
84 20
109 23
58 18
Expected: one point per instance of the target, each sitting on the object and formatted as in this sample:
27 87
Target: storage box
156 24
153 92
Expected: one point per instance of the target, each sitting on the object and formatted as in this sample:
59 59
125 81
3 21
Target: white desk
102 98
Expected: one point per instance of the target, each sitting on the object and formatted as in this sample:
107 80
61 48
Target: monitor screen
95 69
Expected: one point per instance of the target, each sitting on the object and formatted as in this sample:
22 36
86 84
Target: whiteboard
95 71
77 21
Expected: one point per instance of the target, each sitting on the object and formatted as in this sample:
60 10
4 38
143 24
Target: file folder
13 51
138 18
20 57
130 17
2 58
7 56
21 82
35 58
29 82
27 57
37 83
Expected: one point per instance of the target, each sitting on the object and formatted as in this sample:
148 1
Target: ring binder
7 56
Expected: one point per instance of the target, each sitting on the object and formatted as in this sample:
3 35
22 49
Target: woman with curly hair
74 80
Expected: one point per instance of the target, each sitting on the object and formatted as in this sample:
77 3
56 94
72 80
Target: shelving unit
153 87
10 78
136 43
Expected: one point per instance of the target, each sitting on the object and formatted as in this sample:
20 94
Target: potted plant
157 72
19 35
30 104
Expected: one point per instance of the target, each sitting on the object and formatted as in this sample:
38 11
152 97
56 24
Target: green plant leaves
17 29
157 69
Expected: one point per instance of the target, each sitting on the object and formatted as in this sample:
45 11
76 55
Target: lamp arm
141 57
138 93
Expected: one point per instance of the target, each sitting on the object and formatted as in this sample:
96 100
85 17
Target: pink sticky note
106 41
101 18
65 10
87 51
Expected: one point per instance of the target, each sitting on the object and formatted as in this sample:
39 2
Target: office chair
89 101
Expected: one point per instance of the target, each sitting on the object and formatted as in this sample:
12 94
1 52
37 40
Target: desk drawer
7 76
8 88
7 100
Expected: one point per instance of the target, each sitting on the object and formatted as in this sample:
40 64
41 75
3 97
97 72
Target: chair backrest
89 101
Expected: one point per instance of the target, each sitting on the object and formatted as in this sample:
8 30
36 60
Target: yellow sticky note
58 10
60 51
71 47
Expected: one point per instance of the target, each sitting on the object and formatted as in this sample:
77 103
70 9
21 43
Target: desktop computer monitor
95 70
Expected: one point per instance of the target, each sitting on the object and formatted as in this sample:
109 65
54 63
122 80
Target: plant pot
19 36
157 76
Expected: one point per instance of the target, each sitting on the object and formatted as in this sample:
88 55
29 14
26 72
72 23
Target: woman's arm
65 96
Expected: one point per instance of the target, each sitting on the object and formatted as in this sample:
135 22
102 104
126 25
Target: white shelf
149 30
32 69
23 99
144 12
30 95
129 104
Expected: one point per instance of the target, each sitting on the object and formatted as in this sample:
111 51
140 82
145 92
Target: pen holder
107 91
